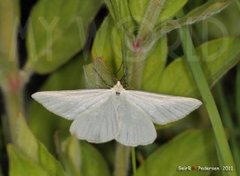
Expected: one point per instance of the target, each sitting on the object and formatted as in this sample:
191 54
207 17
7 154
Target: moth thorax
118 88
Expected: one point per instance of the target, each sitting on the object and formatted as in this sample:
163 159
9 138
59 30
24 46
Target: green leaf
217 56
171 7
9 9
102 46
200 13
176 79
154 65
57 30
25 140
49 163
71 76
30 148
108 46
71 156
190 148
21 165
82 158
91 155
119 11
227 21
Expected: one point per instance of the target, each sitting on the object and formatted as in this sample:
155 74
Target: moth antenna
102 79
124 62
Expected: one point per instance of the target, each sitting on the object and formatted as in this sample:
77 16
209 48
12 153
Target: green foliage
217 57
134 36
190 148
154 66
198 14
103 43
220 25
9 9
28 152
64 78
21 165
57 31
224 151
82 159
97 75
170 8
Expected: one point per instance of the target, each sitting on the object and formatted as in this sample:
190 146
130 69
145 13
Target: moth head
118 88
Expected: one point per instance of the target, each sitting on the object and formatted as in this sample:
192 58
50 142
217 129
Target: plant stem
143 41
134 166
150 18
227 120
11 82
202 84
13 98
121 160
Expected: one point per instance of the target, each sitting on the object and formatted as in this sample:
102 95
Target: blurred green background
54 45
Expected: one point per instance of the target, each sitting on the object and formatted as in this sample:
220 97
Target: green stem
134 166
193 61
13 98
150 18
135 73
11 83
227 120
144 41
121 160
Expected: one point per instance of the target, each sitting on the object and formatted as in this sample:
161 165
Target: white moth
101 115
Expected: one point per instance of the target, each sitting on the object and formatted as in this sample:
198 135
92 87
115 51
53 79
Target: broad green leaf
190 148
57 30
22 165
171 7
102 46
117 48
176 79
49 163
154 65
217 57
200 13
108 46
70 76
83 159
25 140
9 21
90 156
34 150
